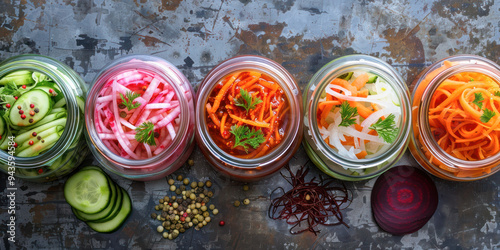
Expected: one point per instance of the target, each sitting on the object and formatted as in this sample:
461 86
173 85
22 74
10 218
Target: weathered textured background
302 36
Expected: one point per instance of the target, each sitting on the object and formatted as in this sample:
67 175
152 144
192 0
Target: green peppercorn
182 188
195 211
185 181
206 214
176 217
159 229
160 206
215 211
190 162
212 206
161 201
178 191
206 200
195 221
170 237
210 194
237 203
204 223
166 199
180 178
157 207
165 235
245 188
153 215
201 196
190 224
171 181
192 196
208 219
208 183
246 201
200 225
158 217
194 184
203 208
173 198
198 205
200 184
175 205
172 188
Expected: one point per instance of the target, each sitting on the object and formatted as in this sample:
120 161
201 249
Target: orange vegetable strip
360 81
325 103
213 116
222 93
249 122
222 123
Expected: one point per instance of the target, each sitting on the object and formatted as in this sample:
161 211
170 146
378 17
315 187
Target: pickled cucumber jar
357 117
42 118
140 117
248 117
455 109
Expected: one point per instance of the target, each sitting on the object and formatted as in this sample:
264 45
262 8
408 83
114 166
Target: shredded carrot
227 107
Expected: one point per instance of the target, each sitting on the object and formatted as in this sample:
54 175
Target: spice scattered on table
188 208
309 203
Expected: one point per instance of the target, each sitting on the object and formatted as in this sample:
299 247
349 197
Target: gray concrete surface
302 36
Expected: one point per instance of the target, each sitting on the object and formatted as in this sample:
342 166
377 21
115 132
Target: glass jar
325 157
424 147
259 166
70 149
181 145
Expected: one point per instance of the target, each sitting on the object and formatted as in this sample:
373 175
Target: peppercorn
200 225
237 203
165 235
159 229
161 201
200 184
171 181
178 191
212 206
206 214
208 183
194 184
172 188
123 114
210 194
121 106
222 223
201 196
245 188
182 188
157 208
190 162
246 201
153 215
208 219
203 208
186 181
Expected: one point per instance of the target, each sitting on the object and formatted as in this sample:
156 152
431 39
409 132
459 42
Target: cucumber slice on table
88 191
107 211
42 101
114 223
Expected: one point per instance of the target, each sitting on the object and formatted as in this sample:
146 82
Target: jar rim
271 69
344 65
60 74
167 72
475 64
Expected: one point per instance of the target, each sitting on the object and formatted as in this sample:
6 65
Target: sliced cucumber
372 79
42 145
60 103
117 207
88 191
28 134
108 210
19 77
81 103
42 135
346 76
114 223
41 101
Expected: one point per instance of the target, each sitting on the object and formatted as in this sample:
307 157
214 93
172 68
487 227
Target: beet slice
403 199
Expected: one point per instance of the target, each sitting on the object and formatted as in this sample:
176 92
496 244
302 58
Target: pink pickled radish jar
140 117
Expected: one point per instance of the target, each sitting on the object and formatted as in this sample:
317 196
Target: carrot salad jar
357 117
248 117
456 108
140 117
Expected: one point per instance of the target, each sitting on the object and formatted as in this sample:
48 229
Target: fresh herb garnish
386 129
145 133
478 98
129 102
246 101
347 112
243 135
487 115
497 93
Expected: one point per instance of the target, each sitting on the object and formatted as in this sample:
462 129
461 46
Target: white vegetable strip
146 97
148 150
163 145
355 98
171 130
170 117
127 124
106 136
123 141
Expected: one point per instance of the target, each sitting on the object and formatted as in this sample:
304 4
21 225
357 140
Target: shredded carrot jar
456 104
247 113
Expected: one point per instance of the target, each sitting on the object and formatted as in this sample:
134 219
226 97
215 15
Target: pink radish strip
171 130
170 117
106 99
163 145
145 114
158 106
127 124
110 147
148 150
123 141
105 136
123 90
146 97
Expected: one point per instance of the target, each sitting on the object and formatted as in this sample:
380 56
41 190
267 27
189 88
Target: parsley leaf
145 133
246 101
243 135
487 115
386 129
478 98
129 102
497 93
347 112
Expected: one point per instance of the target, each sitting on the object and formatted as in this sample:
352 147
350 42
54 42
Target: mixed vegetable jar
248 117
456 108
357 117
41 118
140 117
